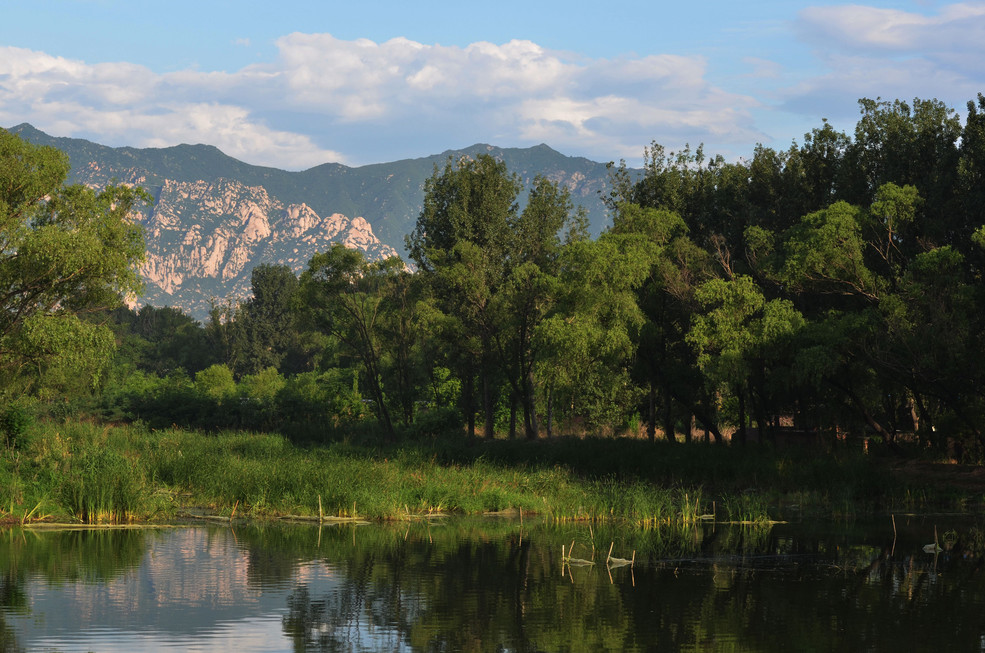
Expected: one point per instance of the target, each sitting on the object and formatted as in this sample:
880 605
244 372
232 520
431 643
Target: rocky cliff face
205 238
216 218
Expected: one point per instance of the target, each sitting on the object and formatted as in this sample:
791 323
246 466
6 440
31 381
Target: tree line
832 287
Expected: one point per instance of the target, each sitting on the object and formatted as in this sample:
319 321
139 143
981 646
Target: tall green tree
530 290
740 338
162 340
588 340
461 244
64 251
664 362
268 318
340 295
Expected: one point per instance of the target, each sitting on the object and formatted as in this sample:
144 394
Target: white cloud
956 26
605 106
127 104
890 53
321 89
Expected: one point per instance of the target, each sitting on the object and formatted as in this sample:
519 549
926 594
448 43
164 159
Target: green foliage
16 418
264 332
72 231
103 486
341 296
161 340
834 287
262 387
589 340
216 383
826 254
67 249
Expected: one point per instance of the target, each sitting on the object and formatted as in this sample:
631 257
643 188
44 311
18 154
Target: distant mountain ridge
215 218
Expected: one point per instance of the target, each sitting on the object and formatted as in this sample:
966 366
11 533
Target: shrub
215 382
16 418
262 386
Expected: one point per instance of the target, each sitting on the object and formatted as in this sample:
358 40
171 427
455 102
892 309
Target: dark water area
497 585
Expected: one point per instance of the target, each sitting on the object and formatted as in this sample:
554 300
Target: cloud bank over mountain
514 92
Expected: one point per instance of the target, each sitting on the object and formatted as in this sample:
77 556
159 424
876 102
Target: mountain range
215 218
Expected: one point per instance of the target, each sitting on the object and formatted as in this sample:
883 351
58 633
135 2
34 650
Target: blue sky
294 84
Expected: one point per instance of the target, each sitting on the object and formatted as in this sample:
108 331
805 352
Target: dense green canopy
64 251
834 288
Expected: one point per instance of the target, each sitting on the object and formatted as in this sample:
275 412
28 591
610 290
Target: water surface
493 585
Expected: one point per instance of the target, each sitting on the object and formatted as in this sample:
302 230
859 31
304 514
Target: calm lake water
496 585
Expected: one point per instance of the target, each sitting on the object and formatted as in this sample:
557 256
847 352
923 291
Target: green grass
91 473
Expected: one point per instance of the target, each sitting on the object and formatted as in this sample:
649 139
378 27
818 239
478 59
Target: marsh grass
746 508
102 485
94 473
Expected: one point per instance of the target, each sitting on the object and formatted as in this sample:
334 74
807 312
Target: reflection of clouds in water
206 590
193 587
262 633
399 588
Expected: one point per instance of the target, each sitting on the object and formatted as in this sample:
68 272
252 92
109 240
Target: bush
263 386
215 382
17 417
435 422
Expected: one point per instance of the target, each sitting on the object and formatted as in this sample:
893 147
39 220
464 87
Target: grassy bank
92 473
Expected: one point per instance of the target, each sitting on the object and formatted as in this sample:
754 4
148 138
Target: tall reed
93 472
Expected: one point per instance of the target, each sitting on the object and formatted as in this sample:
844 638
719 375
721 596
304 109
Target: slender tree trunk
914 416
468 403
926 424
381 408
669 418
550 411
742 415
651 418
760 400
530 407
487 406
863 410
689 428
512 416
708 425
765 428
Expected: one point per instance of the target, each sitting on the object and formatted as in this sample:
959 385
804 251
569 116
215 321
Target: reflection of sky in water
270 589
194 590
245 636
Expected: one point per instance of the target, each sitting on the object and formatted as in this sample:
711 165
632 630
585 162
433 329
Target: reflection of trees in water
92 556
354 618
75 555
8 641
427 594
273 554
454 594
12 597
702 589
828 595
